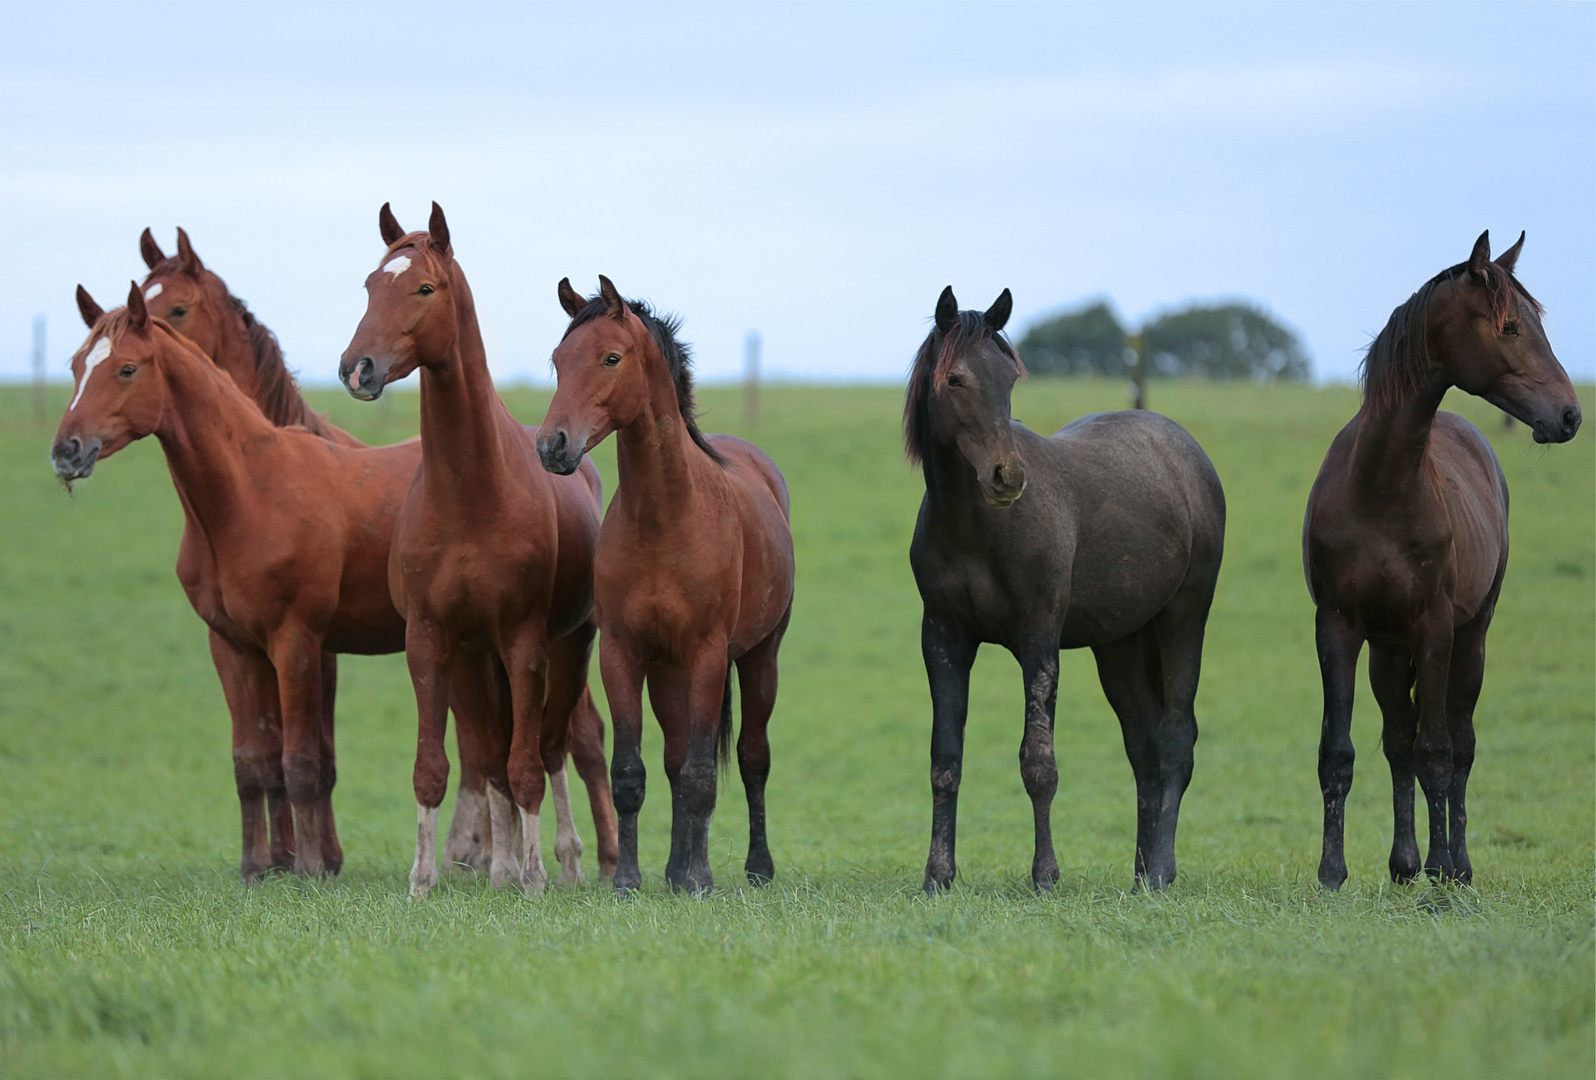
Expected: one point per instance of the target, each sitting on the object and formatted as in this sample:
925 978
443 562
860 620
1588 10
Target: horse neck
236 356
1392 451
461 414
654 454
202 430
951 489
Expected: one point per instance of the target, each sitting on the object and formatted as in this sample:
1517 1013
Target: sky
814 172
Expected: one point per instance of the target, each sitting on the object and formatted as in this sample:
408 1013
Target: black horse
1107 535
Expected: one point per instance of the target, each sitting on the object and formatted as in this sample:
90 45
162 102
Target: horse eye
612 359
128 370
1510 328
954 380
426 290
178 313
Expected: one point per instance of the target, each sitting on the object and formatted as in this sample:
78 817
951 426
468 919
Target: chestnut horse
694 571
283 531
1405 543
190 296
492 560
1107 535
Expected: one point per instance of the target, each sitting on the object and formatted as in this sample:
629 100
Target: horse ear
185 255
947 310
389 225
138 314
999 312
613 304
570 299
150 250
439 229
91 312
1509 258
1480 256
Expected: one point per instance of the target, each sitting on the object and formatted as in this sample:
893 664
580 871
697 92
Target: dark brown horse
1107 535
1405 544
492 560
183 291
284 540
694 572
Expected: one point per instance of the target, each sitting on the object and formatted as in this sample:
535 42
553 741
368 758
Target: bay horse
281 528
1404 544
694 572
186 293
1106 535
492 558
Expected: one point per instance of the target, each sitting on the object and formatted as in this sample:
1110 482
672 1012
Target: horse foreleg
568 660
1432 747
622 673
698 773
756 682
527 667
250 687
1038 767
587 753
296 653
948 654
426 655
1391 677
1338 646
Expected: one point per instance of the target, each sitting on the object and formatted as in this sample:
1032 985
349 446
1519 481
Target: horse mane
1397 360
678 357
932 364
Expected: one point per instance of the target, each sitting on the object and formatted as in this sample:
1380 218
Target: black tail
723 738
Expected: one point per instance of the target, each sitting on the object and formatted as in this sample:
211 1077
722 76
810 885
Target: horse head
411 316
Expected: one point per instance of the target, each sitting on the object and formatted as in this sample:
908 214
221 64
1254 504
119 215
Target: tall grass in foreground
127 946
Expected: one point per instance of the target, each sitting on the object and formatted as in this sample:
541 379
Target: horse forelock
932 364
677 354
1397 362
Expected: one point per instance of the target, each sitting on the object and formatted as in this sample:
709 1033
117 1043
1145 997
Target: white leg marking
470 831
101 350
567 842
424 872
534 879
502 866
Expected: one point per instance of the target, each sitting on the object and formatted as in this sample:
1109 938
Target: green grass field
127 945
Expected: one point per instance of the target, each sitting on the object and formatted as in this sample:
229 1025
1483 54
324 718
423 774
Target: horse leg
1128 672
250 687
568 660
427 656
622 673
1178 646
1338 645
1432 747
527 666
332 852
1391 677
297 655
949 654
690 703
1038 767
1462 693
471 824
756 681
587 753
481 708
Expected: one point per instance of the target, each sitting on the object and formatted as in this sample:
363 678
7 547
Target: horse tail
723 737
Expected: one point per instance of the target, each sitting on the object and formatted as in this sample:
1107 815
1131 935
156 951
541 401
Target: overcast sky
816 172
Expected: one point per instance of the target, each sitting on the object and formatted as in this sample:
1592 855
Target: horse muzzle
1561 428
558 453
364 377
1006 484
73 459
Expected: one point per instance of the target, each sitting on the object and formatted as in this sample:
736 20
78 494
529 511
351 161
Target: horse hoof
534 883
421 885
760 871
935 884
569 877
1332 874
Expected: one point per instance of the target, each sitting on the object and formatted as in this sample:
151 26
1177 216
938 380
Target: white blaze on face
153 291
101 350
397 266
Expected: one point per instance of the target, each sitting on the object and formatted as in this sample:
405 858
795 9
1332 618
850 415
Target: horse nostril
1571 419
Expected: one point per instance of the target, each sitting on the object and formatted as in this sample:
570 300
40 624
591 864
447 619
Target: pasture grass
127 946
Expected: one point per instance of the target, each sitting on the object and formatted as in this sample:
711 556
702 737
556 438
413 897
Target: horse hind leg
1463 693
1133 693
587 754
756 681
332 852
1391 677
567 689
1338 646
1178 632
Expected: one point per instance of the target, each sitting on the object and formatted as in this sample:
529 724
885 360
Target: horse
1106 535
492 559
196 301
1404 544
693 573
281 528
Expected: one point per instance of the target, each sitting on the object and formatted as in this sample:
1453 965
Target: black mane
678 357
1397 360
971 331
